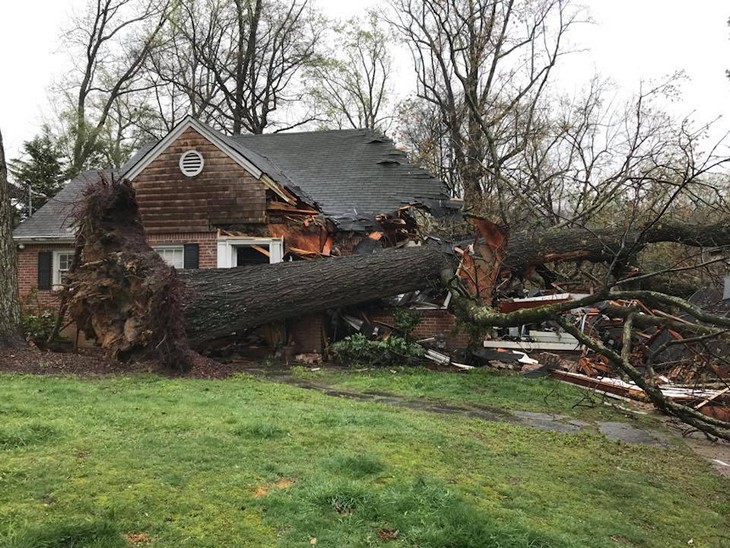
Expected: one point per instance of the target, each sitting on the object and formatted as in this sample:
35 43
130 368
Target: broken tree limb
527 249
225 300
710 425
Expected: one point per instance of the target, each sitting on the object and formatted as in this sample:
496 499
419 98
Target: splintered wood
481 262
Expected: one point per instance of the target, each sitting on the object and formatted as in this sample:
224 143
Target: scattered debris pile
686 362
665 348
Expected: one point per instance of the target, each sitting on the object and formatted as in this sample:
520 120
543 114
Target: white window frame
57 273
171 247
227 249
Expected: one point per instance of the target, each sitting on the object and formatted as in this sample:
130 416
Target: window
179 255
174 255
61 264
249 251
252 254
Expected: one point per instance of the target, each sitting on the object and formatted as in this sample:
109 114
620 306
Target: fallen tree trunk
224 300
122 289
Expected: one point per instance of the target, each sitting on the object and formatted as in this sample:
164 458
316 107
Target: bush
358 350
37 320
406 320
38 327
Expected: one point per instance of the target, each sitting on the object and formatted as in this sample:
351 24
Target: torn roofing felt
350 175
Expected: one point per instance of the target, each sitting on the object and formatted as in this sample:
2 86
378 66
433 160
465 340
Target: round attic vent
191 163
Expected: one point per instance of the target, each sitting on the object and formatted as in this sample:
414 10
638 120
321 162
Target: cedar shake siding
222 194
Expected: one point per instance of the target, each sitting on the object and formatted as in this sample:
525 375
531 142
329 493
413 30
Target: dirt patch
92 362
261 491
281 483
284 483
138 538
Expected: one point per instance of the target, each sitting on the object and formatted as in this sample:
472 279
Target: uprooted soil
92 362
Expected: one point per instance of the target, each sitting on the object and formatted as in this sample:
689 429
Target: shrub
406 320
358 350
38 327
37 320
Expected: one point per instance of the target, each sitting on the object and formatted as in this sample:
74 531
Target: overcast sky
630 41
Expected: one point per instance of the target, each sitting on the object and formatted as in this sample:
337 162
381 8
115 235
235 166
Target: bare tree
132 121
9 303
109 45
485 65
351 87
422 130
241 59
181 83
599 161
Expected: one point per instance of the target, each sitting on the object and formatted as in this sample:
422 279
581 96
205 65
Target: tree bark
221 301
531 248
9 302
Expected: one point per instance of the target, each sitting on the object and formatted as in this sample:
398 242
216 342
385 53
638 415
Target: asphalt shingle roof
350 175
53 221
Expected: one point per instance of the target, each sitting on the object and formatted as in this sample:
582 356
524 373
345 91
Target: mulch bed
90 362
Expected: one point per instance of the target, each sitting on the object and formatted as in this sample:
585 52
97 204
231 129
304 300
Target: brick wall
433 322
28 261
306 332
28 274
206 241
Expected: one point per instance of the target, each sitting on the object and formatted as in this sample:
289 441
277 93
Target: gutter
43 240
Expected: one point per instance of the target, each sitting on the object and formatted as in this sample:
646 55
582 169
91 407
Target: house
209 200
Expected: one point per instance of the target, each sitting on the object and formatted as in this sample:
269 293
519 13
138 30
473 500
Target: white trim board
56 276
226 248
527 346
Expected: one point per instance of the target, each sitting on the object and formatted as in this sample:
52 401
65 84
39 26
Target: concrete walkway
616 431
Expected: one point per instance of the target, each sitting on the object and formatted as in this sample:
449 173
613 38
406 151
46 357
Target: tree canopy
41 170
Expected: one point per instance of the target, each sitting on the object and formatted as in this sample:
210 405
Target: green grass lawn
479 387
149 461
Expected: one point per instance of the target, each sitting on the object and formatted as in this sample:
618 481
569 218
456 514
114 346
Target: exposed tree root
121 292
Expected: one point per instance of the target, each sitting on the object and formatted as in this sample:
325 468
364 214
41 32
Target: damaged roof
349 175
